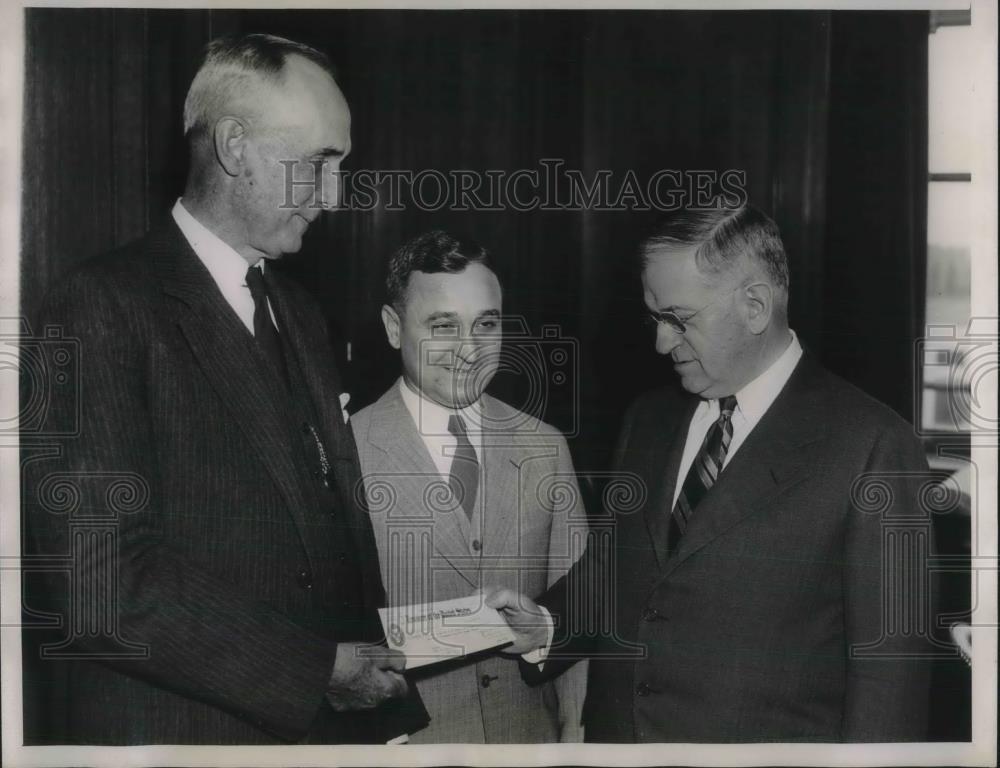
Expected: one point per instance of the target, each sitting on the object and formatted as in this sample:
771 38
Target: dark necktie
464 478
263 329
704 470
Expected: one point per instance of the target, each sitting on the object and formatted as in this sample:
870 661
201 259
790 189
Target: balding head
268 128
235 75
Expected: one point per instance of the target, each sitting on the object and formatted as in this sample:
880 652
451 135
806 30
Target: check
442 630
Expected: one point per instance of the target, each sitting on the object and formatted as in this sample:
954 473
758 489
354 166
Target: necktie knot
456 426
264 330
704 471
255 282
727 406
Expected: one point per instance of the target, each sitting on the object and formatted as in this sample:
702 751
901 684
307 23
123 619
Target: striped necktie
704 470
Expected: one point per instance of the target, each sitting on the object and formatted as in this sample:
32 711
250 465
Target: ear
390 319
230 139
758 302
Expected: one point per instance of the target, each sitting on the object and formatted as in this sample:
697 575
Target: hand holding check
526 620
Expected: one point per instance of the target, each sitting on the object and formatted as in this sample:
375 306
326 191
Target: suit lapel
315 360
308 348
660 465
771 460
408 468
235 367
499 510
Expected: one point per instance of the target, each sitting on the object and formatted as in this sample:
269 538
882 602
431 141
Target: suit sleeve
204 638
566 540
886 587
579 591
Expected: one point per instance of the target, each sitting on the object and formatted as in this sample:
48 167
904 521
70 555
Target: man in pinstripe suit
239 590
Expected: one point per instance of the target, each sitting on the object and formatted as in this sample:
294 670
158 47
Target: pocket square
345 398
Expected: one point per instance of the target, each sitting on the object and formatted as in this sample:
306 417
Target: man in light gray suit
466 492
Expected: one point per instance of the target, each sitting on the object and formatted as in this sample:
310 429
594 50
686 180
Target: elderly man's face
306 121
715 354
448 334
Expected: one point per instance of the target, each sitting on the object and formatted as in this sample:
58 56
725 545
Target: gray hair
236 66
721 238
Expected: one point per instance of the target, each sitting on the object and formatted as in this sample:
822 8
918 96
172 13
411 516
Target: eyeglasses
675 321
677 325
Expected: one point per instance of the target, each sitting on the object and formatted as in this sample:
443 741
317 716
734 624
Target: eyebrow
326 152
454 315
441 316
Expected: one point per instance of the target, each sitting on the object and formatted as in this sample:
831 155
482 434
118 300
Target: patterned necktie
704 470
263 329
464 477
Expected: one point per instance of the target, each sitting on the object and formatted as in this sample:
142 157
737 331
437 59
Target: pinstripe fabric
209 566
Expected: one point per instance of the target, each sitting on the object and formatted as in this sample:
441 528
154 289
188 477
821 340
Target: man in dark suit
224 576
754 594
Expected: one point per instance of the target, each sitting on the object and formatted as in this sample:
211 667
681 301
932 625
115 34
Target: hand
525 619
364 676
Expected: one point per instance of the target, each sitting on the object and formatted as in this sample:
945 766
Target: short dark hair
721 237
228 64
432 252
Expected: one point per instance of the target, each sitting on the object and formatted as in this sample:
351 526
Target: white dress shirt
431 420
752 403
227 268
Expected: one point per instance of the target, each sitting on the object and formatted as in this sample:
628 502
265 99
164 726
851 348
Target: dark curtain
875 246
825 113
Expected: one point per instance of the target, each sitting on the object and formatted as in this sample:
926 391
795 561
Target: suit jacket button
485 680
304 578
477 545
651 614
643 690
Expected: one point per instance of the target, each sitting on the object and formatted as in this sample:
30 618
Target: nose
471 350
327 192
667 339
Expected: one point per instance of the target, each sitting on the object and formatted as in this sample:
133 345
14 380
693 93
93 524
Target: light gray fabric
529 526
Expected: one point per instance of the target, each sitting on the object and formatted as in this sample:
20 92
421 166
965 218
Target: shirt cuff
401 739
539 655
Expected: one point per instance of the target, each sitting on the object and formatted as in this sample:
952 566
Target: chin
294 246
465 402
694 384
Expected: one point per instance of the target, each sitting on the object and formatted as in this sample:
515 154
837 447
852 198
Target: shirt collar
756 397
432 418
224 263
